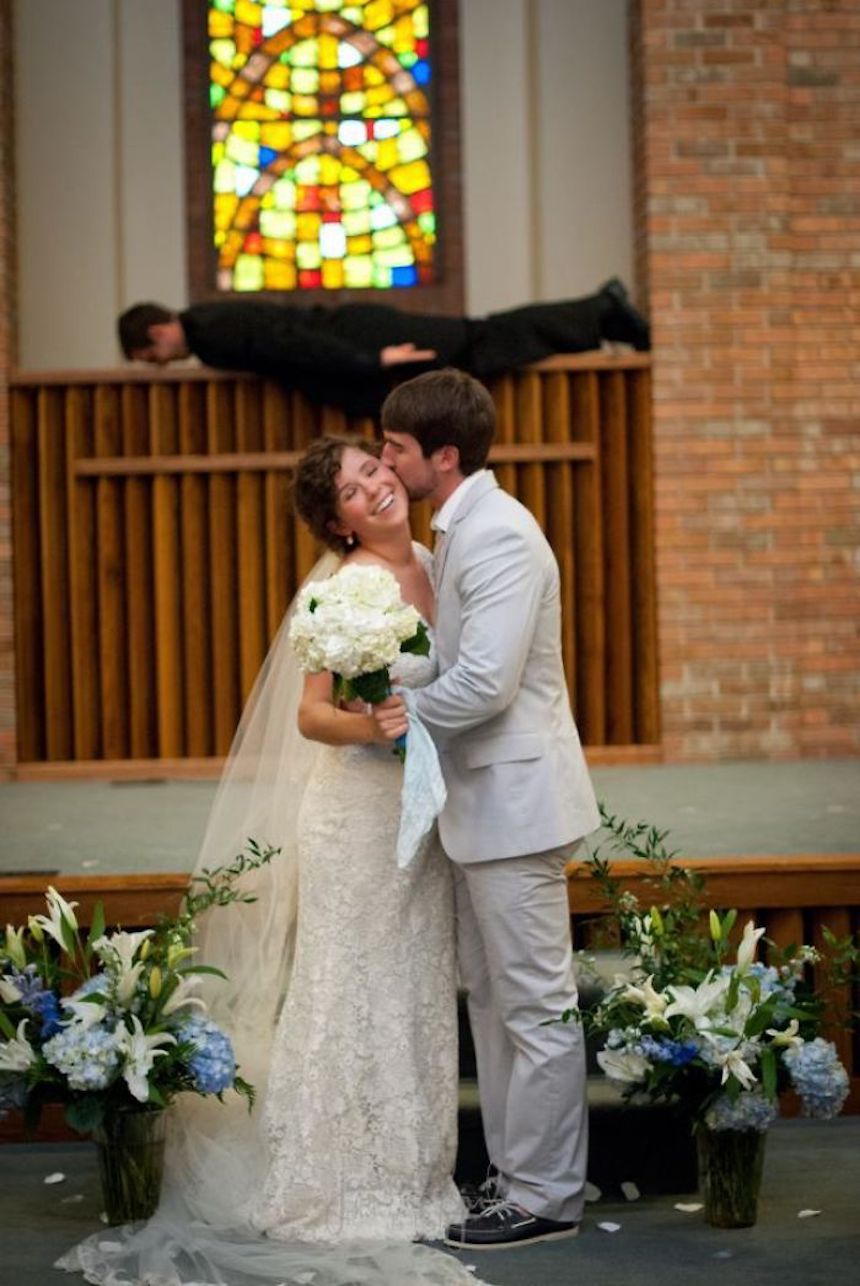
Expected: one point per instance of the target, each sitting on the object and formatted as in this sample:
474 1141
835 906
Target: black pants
502 341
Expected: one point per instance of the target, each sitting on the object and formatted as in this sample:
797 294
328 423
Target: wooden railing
155 552
794 898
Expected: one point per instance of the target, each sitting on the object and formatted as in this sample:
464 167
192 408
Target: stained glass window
320 137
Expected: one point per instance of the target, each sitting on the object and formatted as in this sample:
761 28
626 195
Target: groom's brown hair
444 408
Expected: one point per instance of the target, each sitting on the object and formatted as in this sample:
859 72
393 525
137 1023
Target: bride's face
370 500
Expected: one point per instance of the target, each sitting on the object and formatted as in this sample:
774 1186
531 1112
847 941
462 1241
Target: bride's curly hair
314 492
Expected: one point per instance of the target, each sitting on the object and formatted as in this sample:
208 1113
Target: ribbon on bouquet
423 793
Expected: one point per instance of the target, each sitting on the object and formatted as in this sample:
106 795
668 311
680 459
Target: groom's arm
500 589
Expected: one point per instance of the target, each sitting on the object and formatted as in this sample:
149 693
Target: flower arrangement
110 1020
700 1022
355 624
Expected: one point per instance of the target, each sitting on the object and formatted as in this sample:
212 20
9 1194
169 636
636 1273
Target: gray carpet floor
809 1165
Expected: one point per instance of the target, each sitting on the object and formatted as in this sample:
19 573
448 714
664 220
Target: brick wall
7 660
747 142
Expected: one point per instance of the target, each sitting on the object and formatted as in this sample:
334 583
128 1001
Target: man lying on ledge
351 355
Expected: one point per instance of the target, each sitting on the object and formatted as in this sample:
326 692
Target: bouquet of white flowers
110 1020
355 624
699 1023
691 1025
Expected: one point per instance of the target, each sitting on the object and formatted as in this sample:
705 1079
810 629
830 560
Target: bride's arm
320 719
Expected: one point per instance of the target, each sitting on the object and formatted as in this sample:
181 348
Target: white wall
98 105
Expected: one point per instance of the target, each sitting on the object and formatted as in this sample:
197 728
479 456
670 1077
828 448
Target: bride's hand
391 718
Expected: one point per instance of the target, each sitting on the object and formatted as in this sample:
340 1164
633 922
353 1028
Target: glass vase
730 1166
130 1144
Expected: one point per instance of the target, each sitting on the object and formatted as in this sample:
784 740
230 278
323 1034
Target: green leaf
419 643
97 926
6 1027
373 687
767 1059
70 938
218 973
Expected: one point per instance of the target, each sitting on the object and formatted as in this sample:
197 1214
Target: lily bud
657 928
155 982
716 928
14 946
177 954
145 949
36 929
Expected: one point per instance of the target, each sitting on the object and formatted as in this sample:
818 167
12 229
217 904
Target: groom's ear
447 458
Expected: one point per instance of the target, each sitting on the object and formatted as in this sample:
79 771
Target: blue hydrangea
751 1110
43 1004
213 1064
818 1076
87 1057
663 1050
46 1007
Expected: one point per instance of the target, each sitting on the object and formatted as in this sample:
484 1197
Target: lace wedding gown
348 1155
361 1108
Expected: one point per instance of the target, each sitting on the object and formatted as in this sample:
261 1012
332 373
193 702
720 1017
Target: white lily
696 1003
183 996
14 946
748 945
140 1052
17 1055
653 1002
734 1064
59 910
85 1013
623 1065
117 951
9 993
789 1037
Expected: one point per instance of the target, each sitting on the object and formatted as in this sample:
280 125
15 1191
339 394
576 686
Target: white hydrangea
353 623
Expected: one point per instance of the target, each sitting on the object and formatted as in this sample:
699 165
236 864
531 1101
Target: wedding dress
362 1102
343 1015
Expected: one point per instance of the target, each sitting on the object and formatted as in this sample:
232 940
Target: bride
341 979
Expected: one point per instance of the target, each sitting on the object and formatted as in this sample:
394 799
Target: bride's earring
349 540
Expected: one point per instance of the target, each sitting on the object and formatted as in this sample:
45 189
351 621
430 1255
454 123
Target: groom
519 799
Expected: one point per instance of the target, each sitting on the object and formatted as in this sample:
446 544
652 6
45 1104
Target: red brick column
747 142
7 658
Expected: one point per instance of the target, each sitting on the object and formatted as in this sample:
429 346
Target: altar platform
745 808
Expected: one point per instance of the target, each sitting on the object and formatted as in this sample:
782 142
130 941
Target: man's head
152 333
438 429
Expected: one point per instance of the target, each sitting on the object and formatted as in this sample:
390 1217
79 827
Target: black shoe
504 1225
619 321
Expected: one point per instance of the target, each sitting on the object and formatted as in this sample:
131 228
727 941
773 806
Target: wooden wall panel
111 579
83 538
139 557
53 552
156 549
27 562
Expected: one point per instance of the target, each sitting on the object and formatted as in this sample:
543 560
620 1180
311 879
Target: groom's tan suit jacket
499 711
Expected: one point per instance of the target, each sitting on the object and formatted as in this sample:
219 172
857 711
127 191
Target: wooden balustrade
155 551
795 898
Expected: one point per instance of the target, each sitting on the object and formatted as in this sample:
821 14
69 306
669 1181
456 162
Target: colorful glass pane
321 133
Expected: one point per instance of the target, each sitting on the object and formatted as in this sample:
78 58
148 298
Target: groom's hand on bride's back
392 719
